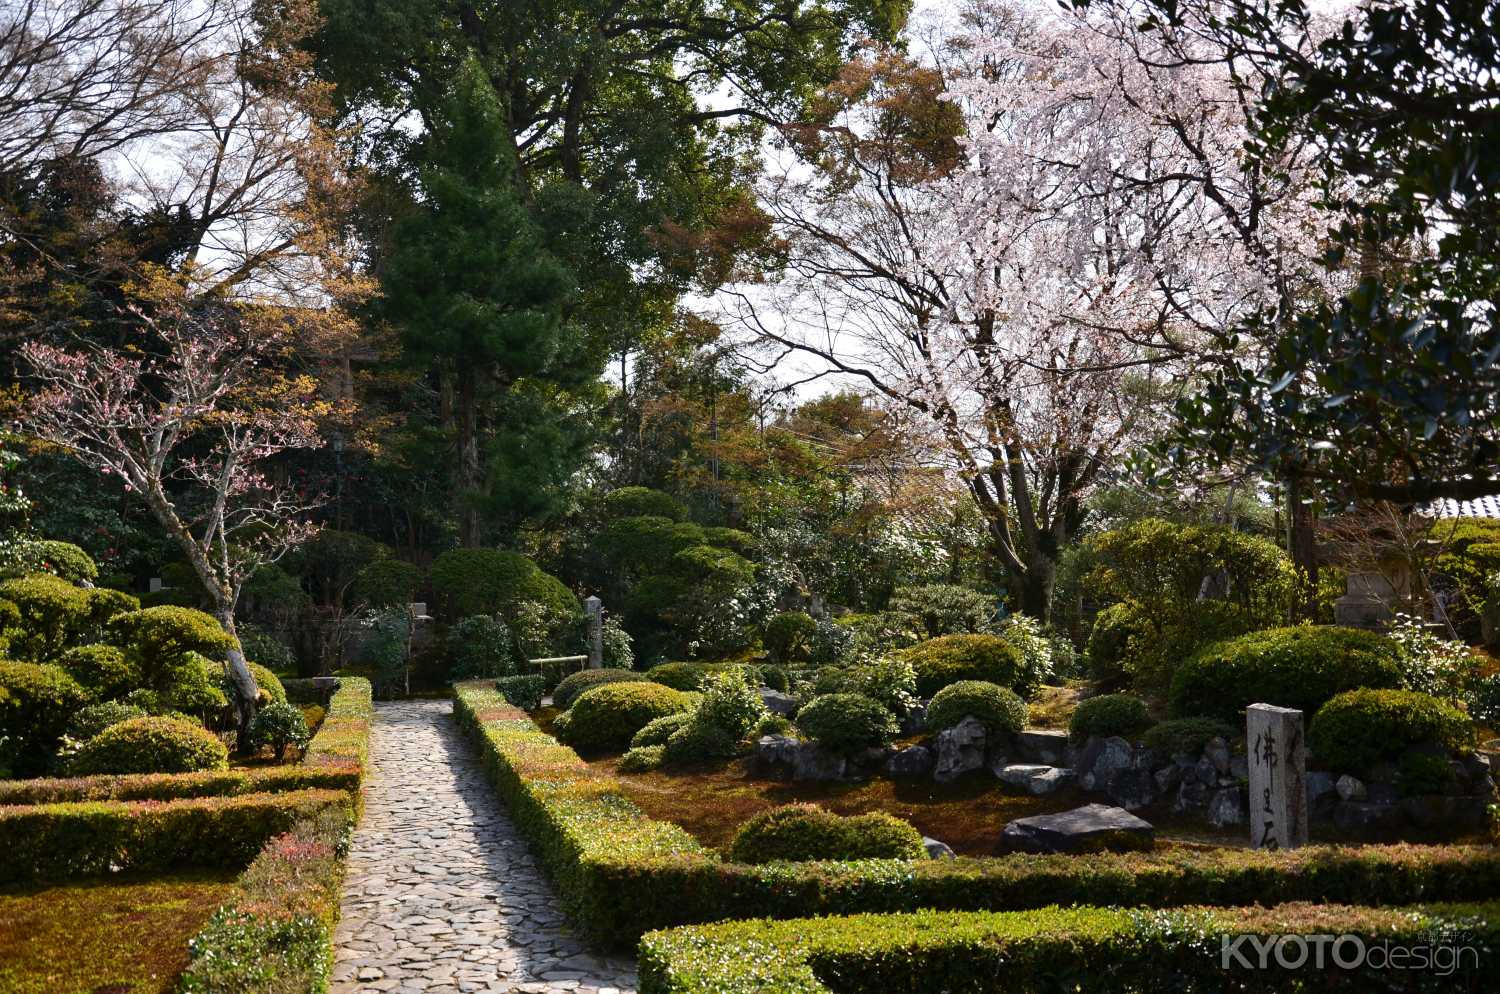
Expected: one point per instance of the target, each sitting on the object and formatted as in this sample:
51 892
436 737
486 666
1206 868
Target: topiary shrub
201 688
658 730
151 745
1359 728
1186 736
776 677
606 718
105 671
479 646
1109 714
279 725
1000 708
36 702
1109 643
574 684
95 718
789 637
1299 667
385 583
269 684
165 639
951 658
633 502
847 723
771 724
66 560
798 832
939 609
487 581
681 676
698 742
54 615
643 759
524 691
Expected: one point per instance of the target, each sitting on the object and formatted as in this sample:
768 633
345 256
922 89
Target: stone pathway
442 894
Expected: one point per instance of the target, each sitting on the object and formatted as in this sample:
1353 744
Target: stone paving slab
442 894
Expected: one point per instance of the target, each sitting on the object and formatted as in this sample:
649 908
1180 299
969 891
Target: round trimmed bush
571 686
643 759
698 742
279 725
385 583
789 637
271 690
103 670
1359 728
806 832
36 702
633 502
691 676
730 703
53 614
607 717
999 708
95 718
1109 643
658 730
1109 714
151 745
952 658
847 723
488 581
1299 667
1186 736
68 561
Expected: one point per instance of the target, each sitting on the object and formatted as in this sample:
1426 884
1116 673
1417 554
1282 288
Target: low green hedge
344 737
800 832
176 786
1082 949
61 841
621 873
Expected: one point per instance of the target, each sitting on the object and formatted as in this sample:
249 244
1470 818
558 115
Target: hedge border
1083 949
622 873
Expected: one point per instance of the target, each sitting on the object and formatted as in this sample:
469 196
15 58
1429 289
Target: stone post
595 609
1278 777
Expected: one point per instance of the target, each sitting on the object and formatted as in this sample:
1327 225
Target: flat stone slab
1093 826
1034 779
442 893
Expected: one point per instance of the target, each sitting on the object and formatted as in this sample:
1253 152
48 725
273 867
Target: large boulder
1042 746
913 761
1226 807
1101 759
813 762
1357 817
1035 779
1132 789
960 749
778 703
936 849
1091 827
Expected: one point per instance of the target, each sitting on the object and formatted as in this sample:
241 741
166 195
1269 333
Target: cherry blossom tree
188 423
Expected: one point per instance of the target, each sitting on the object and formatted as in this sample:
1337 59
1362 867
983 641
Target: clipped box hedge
1081 949
622 873
175 786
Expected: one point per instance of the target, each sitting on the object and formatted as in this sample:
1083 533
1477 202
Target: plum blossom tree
188 424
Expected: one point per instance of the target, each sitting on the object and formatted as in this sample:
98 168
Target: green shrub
479 646
772 724
54 615
269 684
524 691
36 702
776 677
201 687
169 644
1109 714
789 637
682 676
1360 728
574 684
846 723
279 725
1186 736
487 581
617 645
68 561
951 658
999 708
103 670
633 502
233 782
95 718
151 745
385 583
800 832
891 680
939 609
699 742
1115 629
1025 634
643 759
658 730
606 717
730 703
1300 667
1420 773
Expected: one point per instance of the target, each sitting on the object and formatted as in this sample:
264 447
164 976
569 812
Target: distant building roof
1480 507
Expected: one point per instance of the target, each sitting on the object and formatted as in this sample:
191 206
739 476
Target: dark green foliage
36 702
479 646
260 646
330 562
68 561
151 745
174 786
635 502
568 691
54 615
692 676
1358 728
606 718
386 582
525 691
95 718
168 642
941 609
846 723
800 832
487 581
729 702
657 731
1115 629
1299 667
1420 773
776 677
1109 714
645 544
1186 736
951 658
789 637
279 725
698 742
1002 712
105 671
643 759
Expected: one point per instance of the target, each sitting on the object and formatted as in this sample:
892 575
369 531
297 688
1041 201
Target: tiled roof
1480 507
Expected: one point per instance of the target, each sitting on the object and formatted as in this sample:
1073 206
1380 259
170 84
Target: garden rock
813 762
1452 814
1226 807
915 720
782 705
1101 759
1167 778
773 751
1239 767
938 850
1319 785
1043 746
1191 796
1365 816
960 749
913 761
1217 752
1070 831
1034 779
1350 788
1132 789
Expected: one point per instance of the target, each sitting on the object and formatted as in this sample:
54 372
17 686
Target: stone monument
594 607
1278 777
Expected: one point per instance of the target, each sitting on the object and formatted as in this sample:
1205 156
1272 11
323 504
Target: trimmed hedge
1086 950
799 832
175 786
1186 736
692 676
847 723
621 873
573 685
344 737
524 691
606 718
151 745
60 841
659 730
1360 728
1298 667
952 658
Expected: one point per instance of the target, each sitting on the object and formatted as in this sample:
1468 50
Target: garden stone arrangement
442 894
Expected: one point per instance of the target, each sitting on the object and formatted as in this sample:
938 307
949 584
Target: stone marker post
595 608
1278 777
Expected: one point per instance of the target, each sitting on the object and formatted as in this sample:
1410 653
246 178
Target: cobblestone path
442 894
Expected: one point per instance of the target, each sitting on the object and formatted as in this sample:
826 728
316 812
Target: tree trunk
468 459
1036 587
241 683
